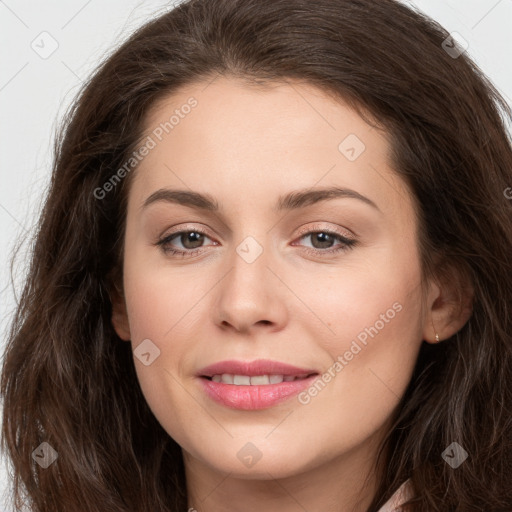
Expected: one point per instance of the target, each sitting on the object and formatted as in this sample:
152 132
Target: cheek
160 308
371 325
372 360
353 302
160 300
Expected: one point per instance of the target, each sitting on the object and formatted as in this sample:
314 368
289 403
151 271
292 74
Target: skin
246 146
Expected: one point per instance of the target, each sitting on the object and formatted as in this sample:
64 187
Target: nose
250 297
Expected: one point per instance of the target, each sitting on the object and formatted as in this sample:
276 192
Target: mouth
255 380
253 385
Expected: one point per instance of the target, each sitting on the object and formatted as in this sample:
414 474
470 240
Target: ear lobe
120 316
451 308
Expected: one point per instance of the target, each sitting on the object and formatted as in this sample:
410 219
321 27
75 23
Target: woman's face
302 256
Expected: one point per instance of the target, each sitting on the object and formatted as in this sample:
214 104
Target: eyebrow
291 201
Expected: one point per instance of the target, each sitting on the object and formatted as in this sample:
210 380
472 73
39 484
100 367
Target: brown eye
322 240
183 243
191 239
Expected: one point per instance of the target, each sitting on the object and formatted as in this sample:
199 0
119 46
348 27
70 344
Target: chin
249 460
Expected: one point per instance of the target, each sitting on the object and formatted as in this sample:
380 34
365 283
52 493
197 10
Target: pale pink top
402 494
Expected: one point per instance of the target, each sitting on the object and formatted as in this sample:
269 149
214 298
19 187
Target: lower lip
250 398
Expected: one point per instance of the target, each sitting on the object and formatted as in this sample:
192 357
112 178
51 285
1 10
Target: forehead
227 135
278 114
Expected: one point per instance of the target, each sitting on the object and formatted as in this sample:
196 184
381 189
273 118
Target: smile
255 380
253 385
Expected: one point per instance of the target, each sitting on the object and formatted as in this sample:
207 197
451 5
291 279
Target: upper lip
253 368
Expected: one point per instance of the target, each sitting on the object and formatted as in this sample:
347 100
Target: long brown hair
67 378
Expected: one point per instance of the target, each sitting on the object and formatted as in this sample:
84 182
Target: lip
253 368
254 397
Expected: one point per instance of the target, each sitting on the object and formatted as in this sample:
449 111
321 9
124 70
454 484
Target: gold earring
435 332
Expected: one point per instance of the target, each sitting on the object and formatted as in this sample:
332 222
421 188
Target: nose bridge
250 249
249 270
249 293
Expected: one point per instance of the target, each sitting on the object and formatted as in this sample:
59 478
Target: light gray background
35 92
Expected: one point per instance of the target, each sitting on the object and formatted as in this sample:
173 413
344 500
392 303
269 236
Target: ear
449 304
120 315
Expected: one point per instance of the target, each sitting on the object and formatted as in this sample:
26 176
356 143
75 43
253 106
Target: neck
343 484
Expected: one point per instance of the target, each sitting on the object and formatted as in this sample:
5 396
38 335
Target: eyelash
348 243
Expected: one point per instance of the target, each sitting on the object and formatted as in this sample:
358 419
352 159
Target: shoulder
402 494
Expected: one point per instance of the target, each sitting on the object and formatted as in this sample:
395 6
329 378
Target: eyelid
186 228
348 242
321 227
306 229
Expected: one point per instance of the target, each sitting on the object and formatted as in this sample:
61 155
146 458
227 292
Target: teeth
241 380
276 379
256 380
226 378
